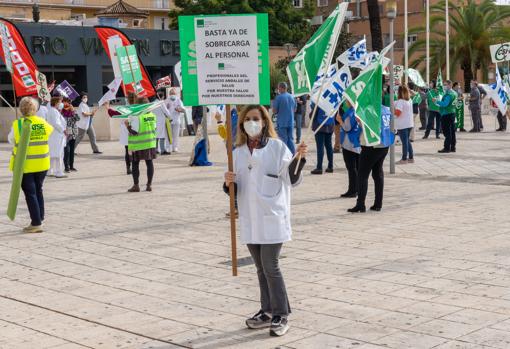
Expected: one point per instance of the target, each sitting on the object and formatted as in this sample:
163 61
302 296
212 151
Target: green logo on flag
221 66
200 23
28 81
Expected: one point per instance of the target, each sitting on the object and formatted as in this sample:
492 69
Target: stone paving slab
150 270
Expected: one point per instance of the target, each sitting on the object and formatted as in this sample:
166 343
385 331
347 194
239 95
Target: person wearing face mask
447 110
175 107
85 124
263 176
72 118
57 141
162 114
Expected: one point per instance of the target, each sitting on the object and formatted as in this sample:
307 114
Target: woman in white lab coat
57 141
162 114
263 176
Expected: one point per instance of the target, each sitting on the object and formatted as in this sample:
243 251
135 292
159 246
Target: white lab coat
57 140
263 200
123 134
42 112
162 114
175 116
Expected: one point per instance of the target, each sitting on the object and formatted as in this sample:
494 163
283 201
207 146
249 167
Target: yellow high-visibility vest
38 153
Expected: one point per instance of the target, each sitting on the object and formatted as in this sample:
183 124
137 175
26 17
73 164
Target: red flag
18 61
163 82
107 33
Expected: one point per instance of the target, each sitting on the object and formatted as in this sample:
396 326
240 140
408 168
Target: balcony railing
141 4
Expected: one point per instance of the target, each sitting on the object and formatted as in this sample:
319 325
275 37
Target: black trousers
433 115
371 160
136 171
501 121
32 184
449 128
351 160
69 154
423 118
126 158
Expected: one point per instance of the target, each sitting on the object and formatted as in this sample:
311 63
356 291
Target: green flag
135 109
317 53
439 84
365 94
129 65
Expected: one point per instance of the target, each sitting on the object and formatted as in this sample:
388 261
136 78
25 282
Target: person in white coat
85 124
264 172
175 107
57 141
162 114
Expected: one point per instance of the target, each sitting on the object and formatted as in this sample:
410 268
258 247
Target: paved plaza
151 270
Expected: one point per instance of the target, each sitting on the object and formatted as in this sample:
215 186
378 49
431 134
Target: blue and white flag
333 91
355 56
497 92
320 79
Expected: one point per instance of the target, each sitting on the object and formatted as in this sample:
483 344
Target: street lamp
391 14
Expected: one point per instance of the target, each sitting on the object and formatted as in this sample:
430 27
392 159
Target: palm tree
375 24
473 28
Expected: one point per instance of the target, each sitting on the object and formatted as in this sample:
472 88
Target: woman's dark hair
434 84
55 100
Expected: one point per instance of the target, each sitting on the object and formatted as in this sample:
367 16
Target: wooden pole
233 236
14 94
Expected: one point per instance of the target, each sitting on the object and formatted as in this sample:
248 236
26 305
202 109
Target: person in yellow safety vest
37 162
142 145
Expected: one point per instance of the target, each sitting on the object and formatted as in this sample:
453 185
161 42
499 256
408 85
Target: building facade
157 10
75 54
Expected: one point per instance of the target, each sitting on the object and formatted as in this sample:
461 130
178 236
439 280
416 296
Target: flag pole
231 191
428 42
447 42
328 63
14 94
406 44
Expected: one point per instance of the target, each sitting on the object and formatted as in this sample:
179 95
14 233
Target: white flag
320 79
113 87
333 91
497 92
355 55
178 74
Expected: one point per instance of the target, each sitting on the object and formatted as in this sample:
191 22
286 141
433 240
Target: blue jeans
299 121
323 140
32 184
407 148
285 134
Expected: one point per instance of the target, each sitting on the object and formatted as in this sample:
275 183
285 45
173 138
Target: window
297 3
411 39
322 3
137 23
164 4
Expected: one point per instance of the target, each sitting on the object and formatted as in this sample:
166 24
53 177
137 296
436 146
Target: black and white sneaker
279 326
259 320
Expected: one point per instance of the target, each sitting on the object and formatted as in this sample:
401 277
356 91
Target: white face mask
173 97
253 128
85 100
60 106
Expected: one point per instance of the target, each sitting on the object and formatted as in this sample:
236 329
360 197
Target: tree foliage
287 24
473 28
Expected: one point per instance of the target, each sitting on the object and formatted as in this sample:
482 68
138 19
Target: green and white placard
129 65
225 59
